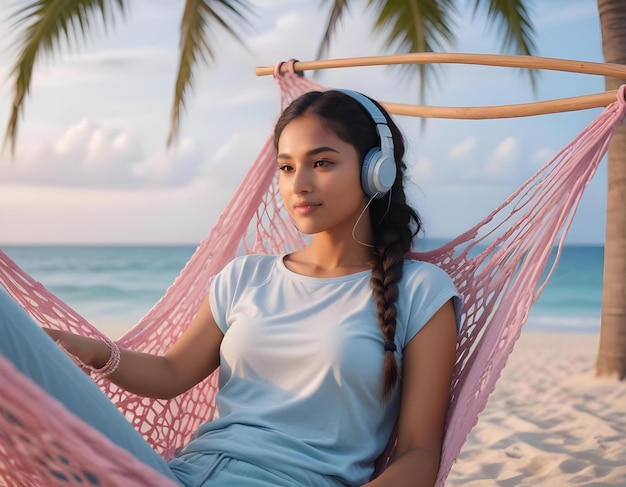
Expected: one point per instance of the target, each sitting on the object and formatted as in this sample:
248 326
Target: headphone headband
371 108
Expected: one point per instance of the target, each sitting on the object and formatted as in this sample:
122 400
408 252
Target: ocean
114 286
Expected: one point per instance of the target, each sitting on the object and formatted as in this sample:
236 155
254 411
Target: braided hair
394 223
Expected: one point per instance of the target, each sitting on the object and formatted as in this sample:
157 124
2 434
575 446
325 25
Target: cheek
284 192
282 187
348 186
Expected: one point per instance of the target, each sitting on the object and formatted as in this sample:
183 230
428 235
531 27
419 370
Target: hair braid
386 273
393 236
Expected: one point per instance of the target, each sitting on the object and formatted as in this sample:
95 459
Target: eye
285 168
322 163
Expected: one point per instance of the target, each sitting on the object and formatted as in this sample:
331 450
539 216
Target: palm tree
412 26
612 352
43 24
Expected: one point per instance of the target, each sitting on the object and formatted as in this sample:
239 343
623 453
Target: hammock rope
499 266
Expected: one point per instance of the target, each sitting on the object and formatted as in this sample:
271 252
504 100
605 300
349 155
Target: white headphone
378 172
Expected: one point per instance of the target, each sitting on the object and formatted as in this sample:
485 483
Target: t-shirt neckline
280 265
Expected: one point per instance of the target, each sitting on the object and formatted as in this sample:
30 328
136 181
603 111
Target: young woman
320 351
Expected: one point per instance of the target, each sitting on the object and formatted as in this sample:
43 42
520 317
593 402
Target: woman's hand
89 351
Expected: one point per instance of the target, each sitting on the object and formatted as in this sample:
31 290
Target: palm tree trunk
611 359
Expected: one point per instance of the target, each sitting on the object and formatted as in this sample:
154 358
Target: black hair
394 222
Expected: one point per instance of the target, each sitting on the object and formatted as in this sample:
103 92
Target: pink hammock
498 266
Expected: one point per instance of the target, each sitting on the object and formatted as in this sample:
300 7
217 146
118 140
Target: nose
302 181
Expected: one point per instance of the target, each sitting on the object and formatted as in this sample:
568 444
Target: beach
549 422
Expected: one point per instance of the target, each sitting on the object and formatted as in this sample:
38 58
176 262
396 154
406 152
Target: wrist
99 353
108 357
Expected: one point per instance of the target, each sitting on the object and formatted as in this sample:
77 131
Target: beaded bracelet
108 368
113 362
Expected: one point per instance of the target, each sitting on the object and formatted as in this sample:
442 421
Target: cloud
90 66
175 167
287 26
94 154
464 149
542 156
468 163
83 215
502 164
423 171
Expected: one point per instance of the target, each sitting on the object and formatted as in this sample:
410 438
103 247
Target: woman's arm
426 374
191 359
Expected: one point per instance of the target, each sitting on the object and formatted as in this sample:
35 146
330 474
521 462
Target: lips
306 203
306 206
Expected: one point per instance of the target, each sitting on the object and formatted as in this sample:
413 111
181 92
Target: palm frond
428 26
40 26
416 26
200 18
336 13
512 20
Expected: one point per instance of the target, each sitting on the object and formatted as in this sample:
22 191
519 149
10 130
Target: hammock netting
500 266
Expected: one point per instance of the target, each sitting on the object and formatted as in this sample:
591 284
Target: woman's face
319 178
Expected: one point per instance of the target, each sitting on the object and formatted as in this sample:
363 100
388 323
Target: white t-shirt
302 365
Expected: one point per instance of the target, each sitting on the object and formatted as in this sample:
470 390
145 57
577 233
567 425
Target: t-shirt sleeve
222 290
430 288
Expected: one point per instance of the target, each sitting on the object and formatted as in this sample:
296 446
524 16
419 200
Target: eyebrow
312 152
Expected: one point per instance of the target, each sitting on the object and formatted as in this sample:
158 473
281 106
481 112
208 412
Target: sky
91 164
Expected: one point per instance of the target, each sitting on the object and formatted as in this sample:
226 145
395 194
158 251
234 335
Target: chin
308 230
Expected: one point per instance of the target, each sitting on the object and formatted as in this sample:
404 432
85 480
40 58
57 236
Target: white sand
549 422
113 330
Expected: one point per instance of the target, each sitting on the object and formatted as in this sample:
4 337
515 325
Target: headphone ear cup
367 169
378 173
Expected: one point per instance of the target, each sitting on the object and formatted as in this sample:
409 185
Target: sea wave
564 324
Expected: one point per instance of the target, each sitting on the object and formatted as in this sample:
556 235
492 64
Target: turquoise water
119 284
108 285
